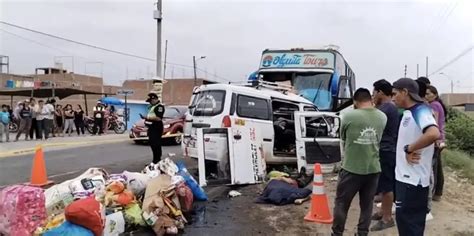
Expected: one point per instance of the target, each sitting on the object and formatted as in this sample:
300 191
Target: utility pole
405 71
427 67
452 86
157 15
166 55
194 67
417 70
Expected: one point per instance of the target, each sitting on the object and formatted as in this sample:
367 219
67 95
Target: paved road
68 163
219 214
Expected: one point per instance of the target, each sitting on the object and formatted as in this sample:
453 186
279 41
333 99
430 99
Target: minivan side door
253 111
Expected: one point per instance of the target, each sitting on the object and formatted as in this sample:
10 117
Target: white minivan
269 108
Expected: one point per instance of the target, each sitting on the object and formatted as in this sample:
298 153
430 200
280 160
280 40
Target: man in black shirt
382 96
153 120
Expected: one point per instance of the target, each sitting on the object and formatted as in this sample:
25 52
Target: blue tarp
111 101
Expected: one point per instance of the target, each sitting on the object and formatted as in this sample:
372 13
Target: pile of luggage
98 203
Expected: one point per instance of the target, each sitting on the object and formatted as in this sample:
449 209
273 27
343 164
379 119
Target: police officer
99 113
153 120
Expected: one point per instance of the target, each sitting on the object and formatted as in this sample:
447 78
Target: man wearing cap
416 137
99 113
153 120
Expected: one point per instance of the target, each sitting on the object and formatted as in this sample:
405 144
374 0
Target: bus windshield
314 87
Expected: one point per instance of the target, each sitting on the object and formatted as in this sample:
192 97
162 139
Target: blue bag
69 229
198 192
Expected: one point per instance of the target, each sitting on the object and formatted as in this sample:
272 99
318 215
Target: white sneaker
429 216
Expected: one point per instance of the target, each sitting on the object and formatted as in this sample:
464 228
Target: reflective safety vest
98 112
151 111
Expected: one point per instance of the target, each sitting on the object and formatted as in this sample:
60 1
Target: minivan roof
260 92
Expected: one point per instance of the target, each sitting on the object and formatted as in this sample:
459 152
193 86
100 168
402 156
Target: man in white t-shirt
49 118
415 146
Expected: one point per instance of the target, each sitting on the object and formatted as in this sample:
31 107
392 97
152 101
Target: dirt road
452 216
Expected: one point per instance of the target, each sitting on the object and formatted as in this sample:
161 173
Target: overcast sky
376 37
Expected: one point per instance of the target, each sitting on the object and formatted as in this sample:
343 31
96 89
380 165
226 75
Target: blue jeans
411 208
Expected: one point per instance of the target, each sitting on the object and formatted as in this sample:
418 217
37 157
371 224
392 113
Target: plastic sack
185 196
69 229
198 192
118 177
115 187
87 213
177 180
151 170
133 215
82 188
136 182
57 198
114 224
22 210
168 167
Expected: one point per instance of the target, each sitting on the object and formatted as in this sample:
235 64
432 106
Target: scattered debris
234 193
96 203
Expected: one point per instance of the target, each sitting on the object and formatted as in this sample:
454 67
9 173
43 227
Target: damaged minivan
273 110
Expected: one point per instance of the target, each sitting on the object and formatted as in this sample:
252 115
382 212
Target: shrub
459 131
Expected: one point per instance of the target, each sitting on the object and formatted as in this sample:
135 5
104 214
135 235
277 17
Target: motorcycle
113 123
13 125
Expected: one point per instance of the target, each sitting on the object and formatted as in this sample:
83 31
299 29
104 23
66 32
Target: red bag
87 213
185 196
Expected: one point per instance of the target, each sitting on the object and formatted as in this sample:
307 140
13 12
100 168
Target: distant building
175 91
453 99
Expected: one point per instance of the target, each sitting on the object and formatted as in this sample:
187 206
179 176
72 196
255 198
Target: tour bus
290 125
322 76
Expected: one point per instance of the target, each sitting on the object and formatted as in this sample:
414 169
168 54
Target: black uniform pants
154 139
98 125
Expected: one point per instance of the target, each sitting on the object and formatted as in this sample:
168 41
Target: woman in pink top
440 113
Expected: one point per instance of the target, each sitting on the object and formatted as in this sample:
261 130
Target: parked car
173 122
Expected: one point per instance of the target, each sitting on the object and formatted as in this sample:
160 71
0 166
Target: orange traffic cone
39 177
319 211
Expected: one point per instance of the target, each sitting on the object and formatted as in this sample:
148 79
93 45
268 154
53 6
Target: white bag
168 167
152 170
114 224
136 182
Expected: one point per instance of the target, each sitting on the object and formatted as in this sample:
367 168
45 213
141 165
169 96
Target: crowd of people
42 120
392 144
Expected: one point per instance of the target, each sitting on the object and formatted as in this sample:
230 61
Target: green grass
461 162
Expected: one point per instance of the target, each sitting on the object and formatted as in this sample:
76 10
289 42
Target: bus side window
344 88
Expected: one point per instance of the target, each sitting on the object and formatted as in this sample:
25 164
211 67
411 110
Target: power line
94 46
463 53
33 41
77 42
